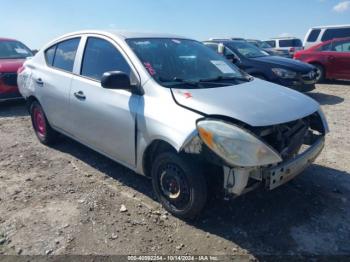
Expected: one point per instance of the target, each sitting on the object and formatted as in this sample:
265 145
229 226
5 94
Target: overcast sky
36 22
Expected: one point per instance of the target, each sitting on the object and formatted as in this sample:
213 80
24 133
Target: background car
264 46
320 34
286 46
256 62
332 59
12 55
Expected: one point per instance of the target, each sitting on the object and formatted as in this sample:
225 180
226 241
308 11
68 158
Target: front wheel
41 126
320 73
179 185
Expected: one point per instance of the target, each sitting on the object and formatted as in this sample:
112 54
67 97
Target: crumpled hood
288 63
256 103
10 65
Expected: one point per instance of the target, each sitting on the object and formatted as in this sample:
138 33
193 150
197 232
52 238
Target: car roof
125 34
330 26
224 41
282 38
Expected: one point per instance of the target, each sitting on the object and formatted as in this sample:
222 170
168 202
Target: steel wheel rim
318 74
174 186
39 122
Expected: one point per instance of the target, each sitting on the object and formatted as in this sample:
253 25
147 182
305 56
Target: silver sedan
171 109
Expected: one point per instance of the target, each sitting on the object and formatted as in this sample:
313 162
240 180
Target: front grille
287 138
309 76
9 79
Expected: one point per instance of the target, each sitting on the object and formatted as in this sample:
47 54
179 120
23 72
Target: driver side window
101 56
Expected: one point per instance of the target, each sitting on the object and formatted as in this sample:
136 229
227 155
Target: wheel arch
30 100
156 147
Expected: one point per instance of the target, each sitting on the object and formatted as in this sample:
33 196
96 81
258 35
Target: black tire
188 196
321 73
43 130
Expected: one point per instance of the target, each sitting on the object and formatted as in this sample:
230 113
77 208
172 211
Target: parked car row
256 62
262 59
172 109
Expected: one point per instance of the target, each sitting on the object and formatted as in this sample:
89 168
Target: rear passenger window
313 35
65 54
335 33
50 54
101 56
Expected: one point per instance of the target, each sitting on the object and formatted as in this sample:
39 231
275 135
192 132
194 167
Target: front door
339 60
104 119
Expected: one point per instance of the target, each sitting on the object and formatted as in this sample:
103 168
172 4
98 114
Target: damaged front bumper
284 172
236 180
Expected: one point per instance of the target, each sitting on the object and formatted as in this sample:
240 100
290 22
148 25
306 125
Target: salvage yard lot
67 200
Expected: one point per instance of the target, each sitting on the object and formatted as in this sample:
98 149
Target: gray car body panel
154 116
256 103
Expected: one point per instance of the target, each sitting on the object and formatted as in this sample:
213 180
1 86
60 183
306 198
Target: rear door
103 119
339 59
52 81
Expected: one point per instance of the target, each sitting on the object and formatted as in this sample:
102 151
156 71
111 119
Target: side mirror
116 80
221 49
34 51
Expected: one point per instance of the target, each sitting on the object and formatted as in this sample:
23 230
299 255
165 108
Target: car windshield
13 50
183 61
247 50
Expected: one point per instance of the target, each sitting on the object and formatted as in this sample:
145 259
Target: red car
332 58
12 55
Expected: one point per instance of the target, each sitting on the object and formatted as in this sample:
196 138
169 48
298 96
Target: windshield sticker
176 41
222 66
21 51
150 68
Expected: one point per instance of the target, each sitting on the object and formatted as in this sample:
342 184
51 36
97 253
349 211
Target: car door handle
39 81
80 95
331 57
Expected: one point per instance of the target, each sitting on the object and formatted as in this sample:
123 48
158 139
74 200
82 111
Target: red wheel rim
39 122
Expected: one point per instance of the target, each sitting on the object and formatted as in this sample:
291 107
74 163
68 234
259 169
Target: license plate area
281 174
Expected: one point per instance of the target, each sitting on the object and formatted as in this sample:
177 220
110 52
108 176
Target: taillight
292 49
21 69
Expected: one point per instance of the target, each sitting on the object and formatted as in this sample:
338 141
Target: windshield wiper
224 78
177 80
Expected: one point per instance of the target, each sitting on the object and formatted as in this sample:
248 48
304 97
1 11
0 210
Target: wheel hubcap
318 74
39 122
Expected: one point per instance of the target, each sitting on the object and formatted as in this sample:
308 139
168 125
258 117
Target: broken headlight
235 145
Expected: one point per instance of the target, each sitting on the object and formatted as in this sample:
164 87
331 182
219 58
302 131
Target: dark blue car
258 63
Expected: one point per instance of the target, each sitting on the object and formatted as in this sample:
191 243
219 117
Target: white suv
320 34
286 46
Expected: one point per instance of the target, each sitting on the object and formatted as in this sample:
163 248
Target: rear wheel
41 126
179 185
320 73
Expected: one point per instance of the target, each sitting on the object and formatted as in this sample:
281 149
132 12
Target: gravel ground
67 200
